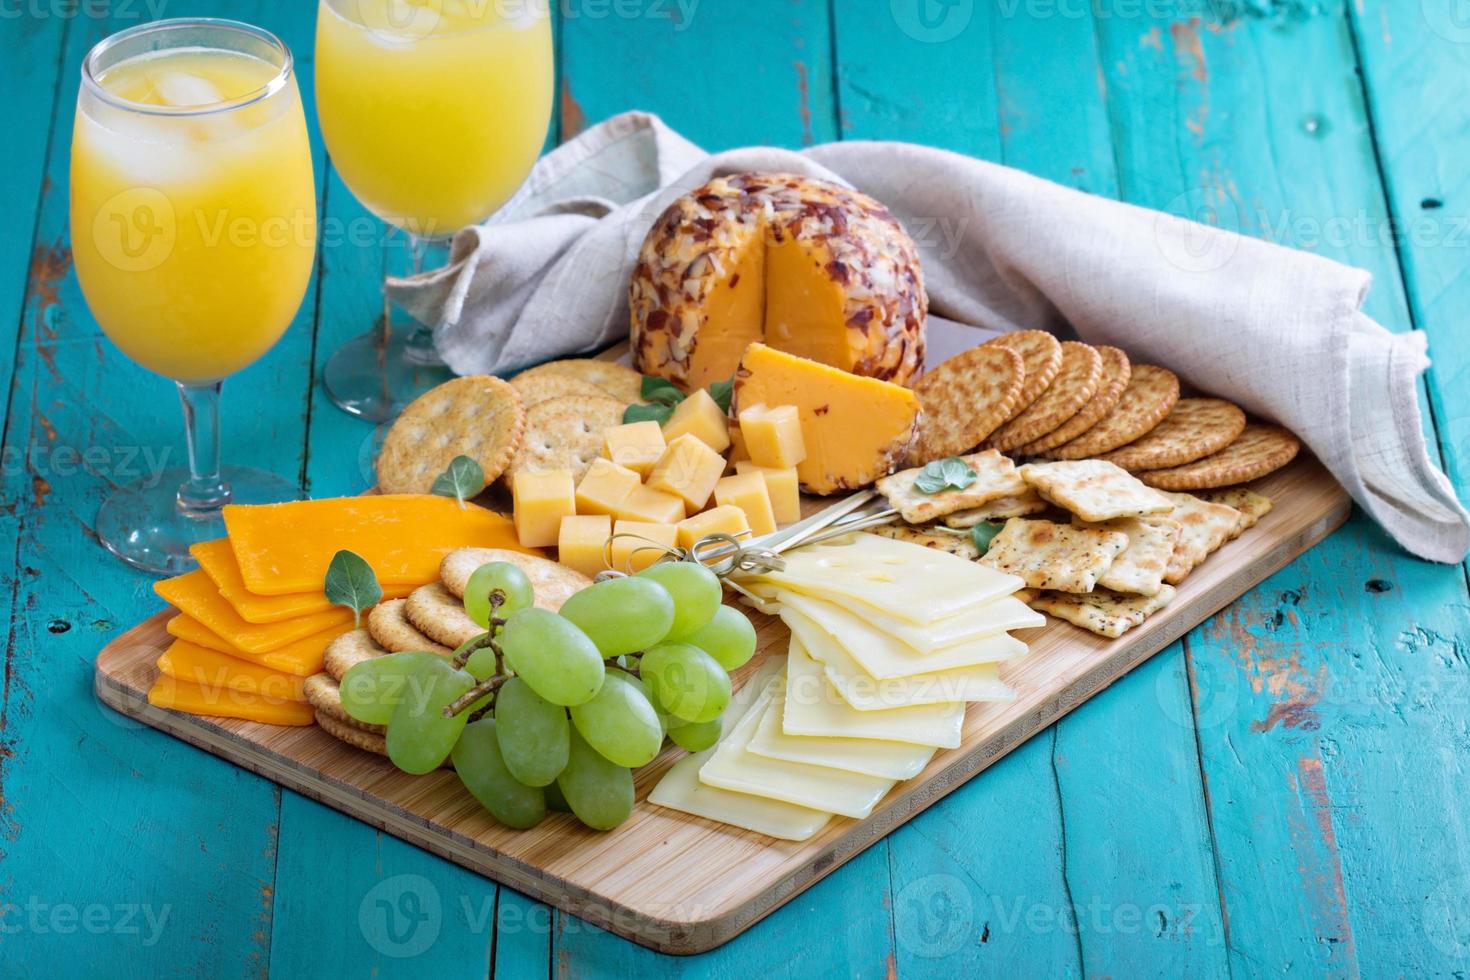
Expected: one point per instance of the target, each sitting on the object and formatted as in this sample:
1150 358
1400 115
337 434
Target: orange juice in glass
193 226
433 112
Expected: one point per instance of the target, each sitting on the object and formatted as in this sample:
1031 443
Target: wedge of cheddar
855 429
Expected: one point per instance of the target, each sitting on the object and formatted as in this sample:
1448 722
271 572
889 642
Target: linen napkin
1277 330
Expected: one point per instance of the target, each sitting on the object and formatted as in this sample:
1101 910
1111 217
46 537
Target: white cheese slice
734 767
891 760
882 657
860 689
905 580
813 707
995 616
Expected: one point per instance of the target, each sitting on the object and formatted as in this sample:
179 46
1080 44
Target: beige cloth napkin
1275 329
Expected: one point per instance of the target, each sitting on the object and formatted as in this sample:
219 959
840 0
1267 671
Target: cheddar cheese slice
213 670
217 559
302 657
195 594
854 429
177 695
285 548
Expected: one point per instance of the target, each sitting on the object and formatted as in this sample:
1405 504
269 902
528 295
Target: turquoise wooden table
1281 791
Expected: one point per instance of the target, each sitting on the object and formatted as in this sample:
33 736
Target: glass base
143 524
374 376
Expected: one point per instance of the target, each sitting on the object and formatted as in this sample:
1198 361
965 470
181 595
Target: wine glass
193 226
434 112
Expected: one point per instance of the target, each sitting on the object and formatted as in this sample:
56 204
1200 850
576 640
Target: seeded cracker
565 434
616 380
964 400
1104 613
1041 353
1054 556
1260 449
956 544
391 628
1206 527
1139 570
553 584
1073 387
325 695
1094 490
349 650
479 416
1116 373
1149 397
1252 506
537 388
995 477
999 509
440 616
1195 428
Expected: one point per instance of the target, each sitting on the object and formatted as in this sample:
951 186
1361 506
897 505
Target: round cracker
1195 428
353 736
537 388
1070 390
390 627
1041 353
1258 450
325 695
1150 396
478 416
1116 372
553 584
350 649
440 616
965 399
622 383
565 434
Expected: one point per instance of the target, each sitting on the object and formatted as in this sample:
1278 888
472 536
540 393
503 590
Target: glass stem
418 349
205 492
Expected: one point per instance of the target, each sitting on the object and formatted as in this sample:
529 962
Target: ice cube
180 88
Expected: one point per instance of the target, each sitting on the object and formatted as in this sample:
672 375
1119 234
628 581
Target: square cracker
1252 506
1105 613
1020 505
955 543
1206 527
1140 569
1054 556
995 477
1094 489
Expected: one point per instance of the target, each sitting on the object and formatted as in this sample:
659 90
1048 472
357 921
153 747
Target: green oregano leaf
647 413
722 392
944 474
350 582
661 391
983 533
463 480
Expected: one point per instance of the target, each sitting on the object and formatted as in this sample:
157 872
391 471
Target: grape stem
468 648
488 686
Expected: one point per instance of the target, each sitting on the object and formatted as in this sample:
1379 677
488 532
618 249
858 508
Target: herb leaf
944 474
647 413
721 392
350 582
661 391
983 533
463 480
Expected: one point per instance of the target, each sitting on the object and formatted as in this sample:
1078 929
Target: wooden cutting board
682 884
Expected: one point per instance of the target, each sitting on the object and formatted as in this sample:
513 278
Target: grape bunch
554 710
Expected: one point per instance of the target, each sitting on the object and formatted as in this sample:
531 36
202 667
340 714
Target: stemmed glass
434 112
193 226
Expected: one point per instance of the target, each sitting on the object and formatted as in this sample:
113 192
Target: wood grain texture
681 884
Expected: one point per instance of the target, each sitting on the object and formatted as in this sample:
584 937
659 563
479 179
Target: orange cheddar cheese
185 696
783 488
634 445
541 500
217 559
286 548
688 469
195 594
301 657
581 543
213 670
699 415
773 435
724 519
604 487
748 492
855 429
638 544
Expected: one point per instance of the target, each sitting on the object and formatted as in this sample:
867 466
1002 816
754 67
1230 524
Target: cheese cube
689 470
717 520
650 506
637 544
748 492
783 488
773 435
737 444
581 543
700 416
541 501
605 486
635 445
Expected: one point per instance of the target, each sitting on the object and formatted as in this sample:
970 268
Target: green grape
371 689
729 638
620 723
554 799
508 579
420 738
482 663
696 590
533 733
697 736
686 682
482 769
622 615
558 660
599 792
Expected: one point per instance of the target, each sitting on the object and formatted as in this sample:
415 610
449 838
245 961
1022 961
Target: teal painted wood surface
1279 792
